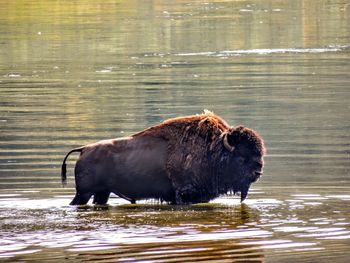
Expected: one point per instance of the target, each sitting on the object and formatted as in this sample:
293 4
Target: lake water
75 72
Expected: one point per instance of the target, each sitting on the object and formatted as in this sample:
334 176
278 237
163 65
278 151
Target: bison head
245 163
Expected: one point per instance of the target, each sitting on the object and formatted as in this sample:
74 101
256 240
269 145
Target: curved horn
229 147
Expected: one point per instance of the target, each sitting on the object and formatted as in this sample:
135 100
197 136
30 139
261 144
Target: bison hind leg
101 198
81 199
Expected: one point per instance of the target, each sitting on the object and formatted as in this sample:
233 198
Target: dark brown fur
197 164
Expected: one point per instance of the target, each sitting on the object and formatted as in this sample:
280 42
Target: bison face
246 149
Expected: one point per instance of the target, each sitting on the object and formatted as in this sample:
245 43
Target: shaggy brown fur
203 125
196 155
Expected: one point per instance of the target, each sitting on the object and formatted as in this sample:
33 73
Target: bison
183 160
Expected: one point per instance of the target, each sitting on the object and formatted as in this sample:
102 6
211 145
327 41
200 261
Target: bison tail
64 166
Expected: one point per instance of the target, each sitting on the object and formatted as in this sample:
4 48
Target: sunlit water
301 226
73 73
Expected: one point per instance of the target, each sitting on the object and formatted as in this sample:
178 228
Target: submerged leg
101 198
81 199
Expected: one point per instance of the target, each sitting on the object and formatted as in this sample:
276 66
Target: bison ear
227 145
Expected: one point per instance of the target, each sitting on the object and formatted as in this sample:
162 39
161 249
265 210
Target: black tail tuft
64 174
64 166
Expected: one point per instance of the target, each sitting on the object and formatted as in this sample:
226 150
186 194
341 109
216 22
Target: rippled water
72 73
296 227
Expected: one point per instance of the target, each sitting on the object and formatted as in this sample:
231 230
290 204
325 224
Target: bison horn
227 144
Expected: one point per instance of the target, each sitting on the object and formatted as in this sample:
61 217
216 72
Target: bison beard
183 160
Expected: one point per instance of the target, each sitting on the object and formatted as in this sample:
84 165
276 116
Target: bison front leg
188 195
186 191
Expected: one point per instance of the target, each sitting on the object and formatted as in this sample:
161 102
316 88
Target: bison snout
258 173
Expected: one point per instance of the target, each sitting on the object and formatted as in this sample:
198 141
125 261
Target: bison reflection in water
183 160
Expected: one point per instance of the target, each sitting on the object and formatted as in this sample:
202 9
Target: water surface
72 73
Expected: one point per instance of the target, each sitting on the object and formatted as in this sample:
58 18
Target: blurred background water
75 72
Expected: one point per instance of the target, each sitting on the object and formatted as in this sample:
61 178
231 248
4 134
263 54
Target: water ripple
265 51
224 229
